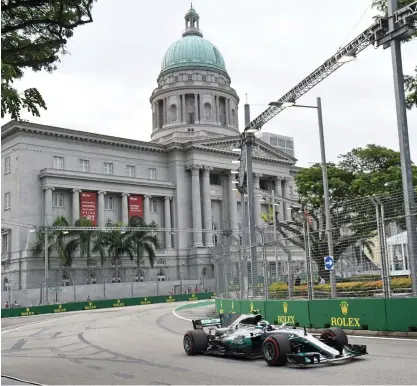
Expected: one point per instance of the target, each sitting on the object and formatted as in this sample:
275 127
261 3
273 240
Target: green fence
92 305
360 314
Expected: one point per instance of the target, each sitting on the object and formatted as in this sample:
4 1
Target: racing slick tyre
335 337
195 342
275 349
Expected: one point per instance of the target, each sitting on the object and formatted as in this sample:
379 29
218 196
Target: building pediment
261 150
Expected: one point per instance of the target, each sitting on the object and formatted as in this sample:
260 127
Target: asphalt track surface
143 345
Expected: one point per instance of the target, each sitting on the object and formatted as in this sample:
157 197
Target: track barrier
398 315
99 304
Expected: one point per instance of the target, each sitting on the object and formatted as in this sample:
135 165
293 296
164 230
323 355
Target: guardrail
98 304
354 314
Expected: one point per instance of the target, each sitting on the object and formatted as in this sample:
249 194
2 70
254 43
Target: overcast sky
104 85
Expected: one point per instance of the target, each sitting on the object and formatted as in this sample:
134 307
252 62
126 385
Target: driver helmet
263 323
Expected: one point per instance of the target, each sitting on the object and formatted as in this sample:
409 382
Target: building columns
157 116
48 205
233 206
227 112
196 120
278 190
218 111
257 200
125 208
184 118
201 109
101 220
146 209
75 205
196 205
286 194
167 221
207 214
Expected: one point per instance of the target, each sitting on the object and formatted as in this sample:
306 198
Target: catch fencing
370 253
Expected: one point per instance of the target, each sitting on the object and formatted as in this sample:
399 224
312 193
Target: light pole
406 170
325 183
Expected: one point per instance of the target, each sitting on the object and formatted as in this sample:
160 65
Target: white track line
33 324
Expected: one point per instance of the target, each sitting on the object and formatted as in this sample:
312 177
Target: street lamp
325 185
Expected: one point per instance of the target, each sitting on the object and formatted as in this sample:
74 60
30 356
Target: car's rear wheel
335 337
275 349
195 342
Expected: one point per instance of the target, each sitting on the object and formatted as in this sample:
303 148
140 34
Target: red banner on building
135 206
88 206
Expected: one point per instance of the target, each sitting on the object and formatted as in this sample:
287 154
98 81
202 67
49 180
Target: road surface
143 345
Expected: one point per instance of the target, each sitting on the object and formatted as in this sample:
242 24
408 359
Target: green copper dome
192 50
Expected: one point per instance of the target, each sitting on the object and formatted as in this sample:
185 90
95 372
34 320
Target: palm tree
144 242
56 241
82 240
114 244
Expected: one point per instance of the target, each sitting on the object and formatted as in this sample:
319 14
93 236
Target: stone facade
183 174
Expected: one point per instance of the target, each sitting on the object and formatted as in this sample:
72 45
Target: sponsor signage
118 303
345 320
90 306
135 206
88 206
60 309
285 318
27 312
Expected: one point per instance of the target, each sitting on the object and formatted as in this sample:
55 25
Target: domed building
183 180
193 99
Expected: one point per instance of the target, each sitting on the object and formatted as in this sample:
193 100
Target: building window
58 163
153 206
191 119
176 79
108 203
190 77
7 165
130 170
204 78
6 201
281 142
84 165
5 243
207 111
273 141
173 112
151 174
58 199
289 144
108 168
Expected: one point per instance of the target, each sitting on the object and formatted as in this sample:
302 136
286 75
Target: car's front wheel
195 342
275 350
335 337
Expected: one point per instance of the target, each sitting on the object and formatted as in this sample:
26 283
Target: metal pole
384 251
274 212
406 170
46 265
385 285
251 204
307 256
326 196
310 264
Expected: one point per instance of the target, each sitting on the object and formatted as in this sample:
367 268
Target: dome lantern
192 23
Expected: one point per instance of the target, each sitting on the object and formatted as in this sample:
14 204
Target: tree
114 244
410 81
34 34
56 242
144 243
84 241
360 173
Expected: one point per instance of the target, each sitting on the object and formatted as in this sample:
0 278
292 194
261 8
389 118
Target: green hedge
362 288
97 304
351 313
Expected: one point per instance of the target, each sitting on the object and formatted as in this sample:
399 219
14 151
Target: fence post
264 260
240 266
381 237
307 248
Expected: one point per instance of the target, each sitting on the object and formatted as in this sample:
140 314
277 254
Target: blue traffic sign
329 263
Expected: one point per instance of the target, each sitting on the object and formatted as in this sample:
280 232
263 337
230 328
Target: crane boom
358 44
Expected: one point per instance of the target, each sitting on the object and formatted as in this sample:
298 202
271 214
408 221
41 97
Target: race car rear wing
201 323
